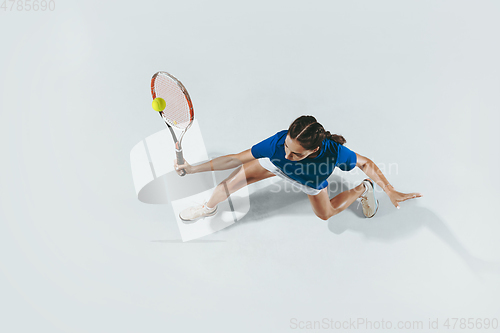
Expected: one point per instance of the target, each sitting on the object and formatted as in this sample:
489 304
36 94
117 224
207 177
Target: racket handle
180 160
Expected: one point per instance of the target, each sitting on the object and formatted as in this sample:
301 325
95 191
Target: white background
409 82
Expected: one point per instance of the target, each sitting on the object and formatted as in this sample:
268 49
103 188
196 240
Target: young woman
304 155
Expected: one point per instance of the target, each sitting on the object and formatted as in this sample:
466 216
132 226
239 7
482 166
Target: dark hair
310 133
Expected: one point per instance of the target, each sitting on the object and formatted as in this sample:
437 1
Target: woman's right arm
220 163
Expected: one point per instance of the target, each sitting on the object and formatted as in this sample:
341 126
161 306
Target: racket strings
178 111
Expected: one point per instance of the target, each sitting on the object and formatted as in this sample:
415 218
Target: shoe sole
376 210
376 200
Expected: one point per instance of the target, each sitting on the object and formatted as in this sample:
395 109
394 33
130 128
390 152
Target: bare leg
246 174
344 199
325 208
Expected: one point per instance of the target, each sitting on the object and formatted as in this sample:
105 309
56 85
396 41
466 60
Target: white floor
409 84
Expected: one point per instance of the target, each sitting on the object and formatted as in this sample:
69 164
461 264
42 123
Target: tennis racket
178 112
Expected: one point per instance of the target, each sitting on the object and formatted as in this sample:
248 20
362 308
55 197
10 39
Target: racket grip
180 160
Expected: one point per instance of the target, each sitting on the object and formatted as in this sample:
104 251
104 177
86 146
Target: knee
323 217
326 215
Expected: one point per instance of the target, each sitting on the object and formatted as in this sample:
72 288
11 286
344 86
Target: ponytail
335 137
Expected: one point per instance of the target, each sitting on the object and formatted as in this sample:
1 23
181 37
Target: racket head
179 112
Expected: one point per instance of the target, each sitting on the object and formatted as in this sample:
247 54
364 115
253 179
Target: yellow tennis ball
159 104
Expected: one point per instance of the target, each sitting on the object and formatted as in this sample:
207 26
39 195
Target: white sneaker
197 212
368 200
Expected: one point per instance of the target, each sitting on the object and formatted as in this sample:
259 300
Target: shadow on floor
389 225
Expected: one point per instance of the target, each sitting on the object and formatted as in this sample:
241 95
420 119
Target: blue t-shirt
312 172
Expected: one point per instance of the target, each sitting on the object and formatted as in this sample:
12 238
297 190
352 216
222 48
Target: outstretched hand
397 197
186 167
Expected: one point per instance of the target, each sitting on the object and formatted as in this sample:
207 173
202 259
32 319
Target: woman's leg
246 174
324 207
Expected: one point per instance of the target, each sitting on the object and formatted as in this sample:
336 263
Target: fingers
411 196
415 195
180 169
406 197
183 165
396 204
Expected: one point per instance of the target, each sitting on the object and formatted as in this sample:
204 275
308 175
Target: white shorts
268 165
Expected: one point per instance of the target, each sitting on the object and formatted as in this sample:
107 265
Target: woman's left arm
372 171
